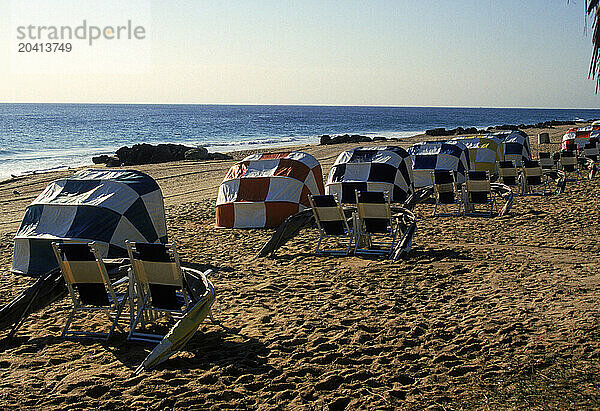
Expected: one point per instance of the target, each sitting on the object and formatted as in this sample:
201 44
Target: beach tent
262 190
484 152
105 206
596 123
515 145
383 168
579 137
429 156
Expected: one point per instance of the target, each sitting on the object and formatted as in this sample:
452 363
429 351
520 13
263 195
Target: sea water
39 137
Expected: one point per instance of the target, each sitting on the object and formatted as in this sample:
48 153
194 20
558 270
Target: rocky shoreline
153 154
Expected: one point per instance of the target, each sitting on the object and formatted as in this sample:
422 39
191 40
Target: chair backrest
508 172
546 161
444 186
83 269
590 150
156 266
374 210
328 214
478 186
568 160
533 172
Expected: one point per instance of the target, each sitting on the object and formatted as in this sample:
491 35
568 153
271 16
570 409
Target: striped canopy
579 137
430 156
379 168
484 152
262 190
105 206
515 145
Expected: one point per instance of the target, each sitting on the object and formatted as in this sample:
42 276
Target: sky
471 53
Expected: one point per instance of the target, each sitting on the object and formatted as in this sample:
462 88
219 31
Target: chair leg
117 317
69 320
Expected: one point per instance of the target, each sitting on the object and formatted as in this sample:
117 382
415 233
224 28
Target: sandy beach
497 313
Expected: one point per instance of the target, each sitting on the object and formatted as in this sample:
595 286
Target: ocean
40 137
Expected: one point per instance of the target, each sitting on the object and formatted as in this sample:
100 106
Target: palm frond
593 10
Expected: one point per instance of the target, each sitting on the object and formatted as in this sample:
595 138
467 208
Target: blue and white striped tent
429 156
516 145
106 206
378 168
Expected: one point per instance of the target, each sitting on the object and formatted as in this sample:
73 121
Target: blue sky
412 53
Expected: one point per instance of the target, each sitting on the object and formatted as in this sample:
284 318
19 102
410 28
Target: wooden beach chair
569 164
331 222
478 192
533 178
89 286
445 192
375 229
509 175
159 287
546 161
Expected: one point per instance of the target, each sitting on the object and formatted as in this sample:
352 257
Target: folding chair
508 173
533 176
331 222
592 156
445 191
568 163
89 285
591 152
478 192
375 230
159 287
546 161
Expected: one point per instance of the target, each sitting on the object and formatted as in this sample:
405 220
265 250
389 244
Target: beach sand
487 313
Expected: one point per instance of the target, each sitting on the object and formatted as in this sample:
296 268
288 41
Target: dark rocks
375 139
454 131
346 138
149 154
110 161
100 159
198 153
161 153
113 161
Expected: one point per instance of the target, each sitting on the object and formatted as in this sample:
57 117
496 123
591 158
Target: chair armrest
120 281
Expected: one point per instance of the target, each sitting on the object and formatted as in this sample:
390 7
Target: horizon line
300 105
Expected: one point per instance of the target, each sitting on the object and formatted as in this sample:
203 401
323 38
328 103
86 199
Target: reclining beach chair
478 192
445 192
568 163
591 153
375 229
159 287
509 175
89 286
546 161
331 222
533 178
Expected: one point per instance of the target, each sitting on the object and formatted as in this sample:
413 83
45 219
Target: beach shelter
484 152
596 123
515 145
379 168
579 137
105 206
430 156
262 190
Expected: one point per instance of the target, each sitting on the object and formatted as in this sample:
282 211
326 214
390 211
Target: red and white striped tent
579 137
262 190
